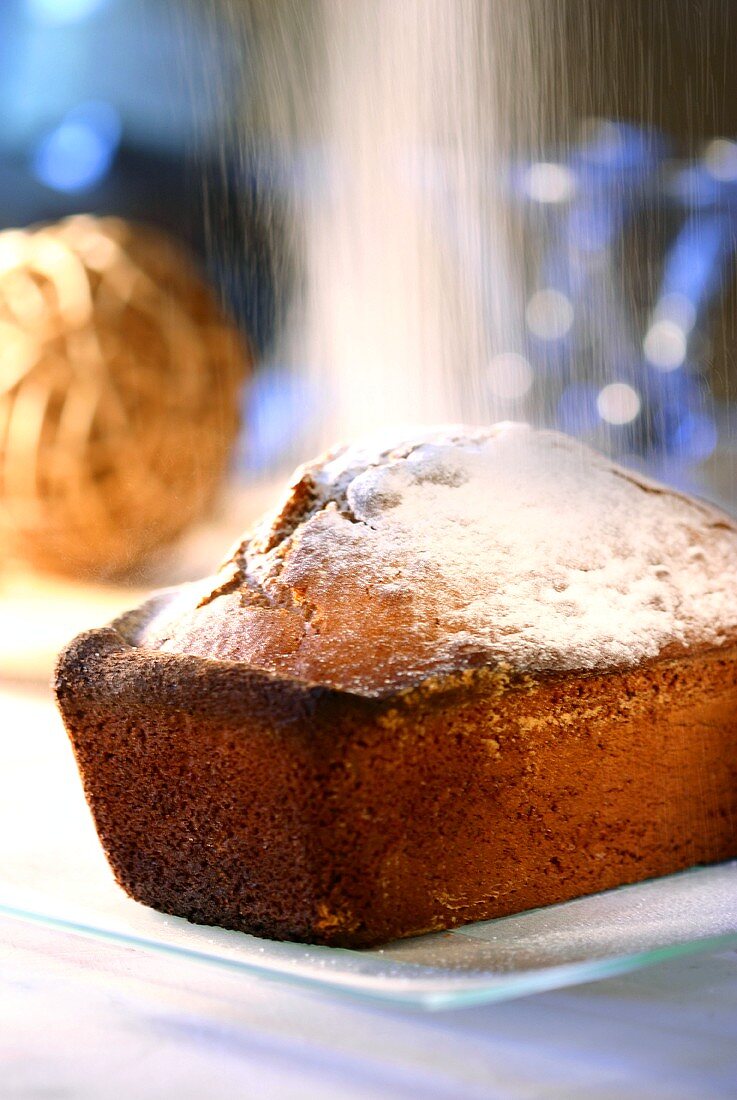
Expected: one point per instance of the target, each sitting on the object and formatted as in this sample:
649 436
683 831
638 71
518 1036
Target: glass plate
52 872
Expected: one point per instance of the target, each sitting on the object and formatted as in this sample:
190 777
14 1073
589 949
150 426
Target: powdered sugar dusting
464 547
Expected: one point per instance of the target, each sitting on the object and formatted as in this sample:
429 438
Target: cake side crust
296 811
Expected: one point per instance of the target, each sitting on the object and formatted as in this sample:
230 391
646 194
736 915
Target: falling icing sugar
393 124
464 546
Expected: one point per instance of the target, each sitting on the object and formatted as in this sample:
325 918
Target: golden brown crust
296 811
461 549
468 677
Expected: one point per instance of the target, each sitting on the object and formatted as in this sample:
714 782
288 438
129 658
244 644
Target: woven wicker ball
119 385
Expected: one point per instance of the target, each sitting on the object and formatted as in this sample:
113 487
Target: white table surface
81 1018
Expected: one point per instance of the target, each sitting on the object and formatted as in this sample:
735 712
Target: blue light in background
577 412
591 227
695 437
654 404
280 411
63 11
79 152
693 265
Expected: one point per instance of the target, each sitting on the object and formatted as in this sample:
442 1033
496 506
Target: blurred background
153 112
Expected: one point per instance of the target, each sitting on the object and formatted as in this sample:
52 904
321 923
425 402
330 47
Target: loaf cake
449 679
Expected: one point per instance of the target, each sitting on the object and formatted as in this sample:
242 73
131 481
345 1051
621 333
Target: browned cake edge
294 811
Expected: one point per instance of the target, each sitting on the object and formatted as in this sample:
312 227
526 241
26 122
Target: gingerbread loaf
449 679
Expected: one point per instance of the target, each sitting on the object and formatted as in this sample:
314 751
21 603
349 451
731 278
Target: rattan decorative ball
119 394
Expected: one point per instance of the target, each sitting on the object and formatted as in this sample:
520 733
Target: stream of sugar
393 123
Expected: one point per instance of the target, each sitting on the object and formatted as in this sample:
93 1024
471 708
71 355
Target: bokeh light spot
720 158
63 11
665 345
618 403
79 152
510 376
549 314
549 183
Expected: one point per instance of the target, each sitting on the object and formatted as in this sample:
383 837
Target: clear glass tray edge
445 992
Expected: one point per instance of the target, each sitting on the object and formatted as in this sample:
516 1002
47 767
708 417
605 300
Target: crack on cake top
502 545
327 485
